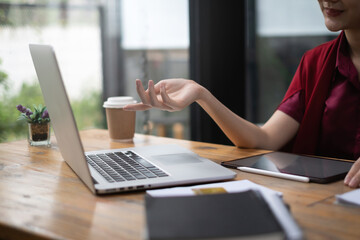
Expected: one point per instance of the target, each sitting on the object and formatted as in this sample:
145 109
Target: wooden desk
40 196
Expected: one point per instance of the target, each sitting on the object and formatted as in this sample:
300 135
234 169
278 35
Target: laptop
115 170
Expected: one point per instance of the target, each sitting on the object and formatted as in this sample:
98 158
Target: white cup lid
118 102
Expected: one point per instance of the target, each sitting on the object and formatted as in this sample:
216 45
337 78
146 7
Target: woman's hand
170 95
352 179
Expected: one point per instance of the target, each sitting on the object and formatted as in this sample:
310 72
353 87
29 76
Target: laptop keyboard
123 166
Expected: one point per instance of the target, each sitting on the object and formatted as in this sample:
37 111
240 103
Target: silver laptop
115 170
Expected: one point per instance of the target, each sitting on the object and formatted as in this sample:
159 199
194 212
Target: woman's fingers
141 92
355 181
353 177
136 107
145 104
166 99
152 95
154 98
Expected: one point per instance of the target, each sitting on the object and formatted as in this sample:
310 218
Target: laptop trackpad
174 159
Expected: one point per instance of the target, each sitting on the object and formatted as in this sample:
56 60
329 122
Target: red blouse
338 133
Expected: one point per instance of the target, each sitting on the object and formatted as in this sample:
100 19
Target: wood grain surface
42 198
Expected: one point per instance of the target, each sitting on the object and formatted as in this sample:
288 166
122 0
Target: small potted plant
38 124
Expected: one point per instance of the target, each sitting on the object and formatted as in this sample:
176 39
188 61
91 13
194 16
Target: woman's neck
353 38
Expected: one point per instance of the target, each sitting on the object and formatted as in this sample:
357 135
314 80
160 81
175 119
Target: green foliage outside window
38 15
87 110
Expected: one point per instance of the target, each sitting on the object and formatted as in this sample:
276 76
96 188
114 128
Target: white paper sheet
352 197
230 187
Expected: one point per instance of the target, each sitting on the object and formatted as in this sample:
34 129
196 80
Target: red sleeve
294 106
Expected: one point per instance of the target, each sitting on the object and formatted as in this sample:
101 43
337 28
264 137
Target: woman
320 113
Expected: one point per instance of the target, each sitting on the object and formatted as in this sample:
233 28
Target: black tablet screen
317 169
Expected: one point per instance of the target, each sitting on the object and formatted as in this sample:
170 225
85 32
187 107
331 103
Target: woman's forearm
241 132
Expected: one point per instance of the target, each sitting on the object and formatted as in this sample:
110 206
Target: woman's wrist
202 95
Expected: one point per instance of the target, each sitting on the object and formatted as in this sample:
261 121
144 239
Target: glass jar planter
39 134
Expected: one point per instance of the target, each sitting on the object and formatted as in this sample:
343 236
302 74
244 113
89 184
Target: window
155 41
73 29
280 32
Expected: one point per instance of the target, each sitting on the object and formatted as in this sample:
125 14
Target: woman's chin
333 27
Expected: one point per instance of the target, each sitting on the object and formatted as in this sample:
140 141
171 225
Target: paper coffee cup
121 124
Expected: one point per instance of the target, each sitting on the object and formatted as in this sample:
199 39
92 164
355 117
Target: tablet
293 167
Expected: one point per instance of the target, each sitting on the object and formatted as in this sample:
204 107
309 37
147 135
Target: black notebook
219 216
